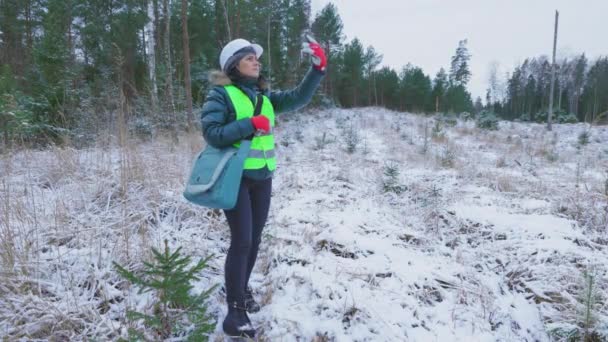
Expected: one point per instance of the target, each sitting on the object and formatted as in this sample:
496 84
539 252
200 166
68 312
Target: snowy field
487 236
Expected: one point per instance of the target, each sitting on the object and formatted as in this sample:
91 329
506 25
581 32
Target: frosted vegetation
384 226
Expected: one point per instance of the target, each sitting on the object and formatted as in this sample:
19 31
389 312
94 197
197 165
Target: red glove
315 51
261 123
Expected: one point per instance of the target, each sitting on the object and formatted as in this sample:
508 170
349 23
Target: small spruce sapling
176 312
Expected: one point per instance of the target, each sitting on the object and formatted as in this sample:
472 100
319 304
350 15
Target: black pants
246 221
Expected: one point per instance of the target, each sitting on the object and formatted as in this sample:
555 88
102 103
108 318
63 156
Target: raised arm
289 100
285 101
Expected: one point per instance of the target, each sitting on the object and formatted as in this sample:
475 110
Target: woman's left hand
312 48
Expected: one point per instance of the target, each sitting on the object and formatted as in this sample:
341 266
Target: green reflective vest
262 146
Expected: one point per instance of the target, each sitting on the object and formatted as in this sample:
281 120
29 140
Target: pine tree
457 97
296 24
11 34
390 179
440 86
515 90
352 74
478 105
415 89
529 86
53 59
530 97
388 88
371 61
577 81
459 70
176 311
595 93
61 54
203 45
327 28
276 61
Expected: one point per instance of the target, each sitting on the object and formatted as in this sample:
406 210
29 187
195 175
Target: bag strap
258 105
257 110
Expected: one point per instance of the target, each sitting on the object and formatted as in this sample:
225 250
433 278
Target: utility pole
550 116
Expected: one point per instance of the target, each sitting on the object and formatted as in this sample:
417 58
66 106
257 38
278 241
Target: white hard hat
231 48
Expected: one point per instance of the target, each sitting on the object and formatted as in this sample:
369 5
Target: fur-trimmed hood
219 78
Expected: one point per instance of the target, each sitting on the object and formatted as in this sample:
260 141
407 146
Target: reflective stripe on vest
262 145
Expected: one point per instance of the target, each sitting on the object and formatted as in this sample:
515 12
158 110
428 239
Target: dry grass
73 211
465 130
65 214
504 183
501 162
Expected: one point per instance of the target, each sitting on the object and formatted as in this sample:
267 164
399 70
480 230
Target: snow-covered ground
489 239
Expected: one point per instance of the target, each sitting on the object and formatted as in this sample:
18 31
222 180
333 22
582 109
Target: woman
227 118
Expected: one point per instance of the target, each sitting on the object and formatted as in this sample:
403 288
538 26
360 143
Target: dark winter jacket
218 117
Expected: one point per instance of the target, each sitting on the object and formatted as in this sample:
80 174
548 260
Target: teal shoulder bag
215 178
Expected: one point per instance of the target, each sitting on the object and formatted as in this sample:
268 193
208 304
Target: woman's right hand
312 48
261 123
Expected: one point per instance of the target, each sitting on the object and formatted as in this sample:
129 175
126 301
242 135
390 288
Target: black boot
237 323
250 304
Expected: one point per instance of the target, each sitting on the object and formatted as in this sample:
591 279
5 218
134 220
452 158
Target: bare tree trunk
369 90
158 30
150 34
187 81
69 31
268 54
4 126
330 86
223 2
28 30
71 54
143 45
169 77
550 116
121 119
576 98
559 97
595 106
238 20
436 104
375 90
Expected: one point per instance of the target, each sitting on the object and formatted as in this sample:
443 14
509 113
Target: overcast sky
426 32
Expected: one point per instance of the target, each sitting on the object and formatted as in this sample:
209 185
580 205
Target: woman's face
249 66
